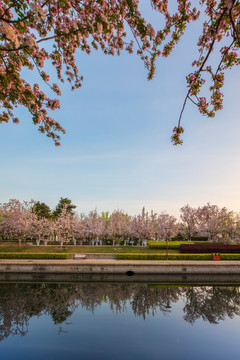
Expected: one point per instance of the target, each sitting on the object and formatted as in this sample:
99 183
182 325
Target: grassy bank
13 248
34 256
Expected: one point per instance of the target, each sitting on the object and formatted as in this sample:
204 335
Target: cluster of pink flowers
176 137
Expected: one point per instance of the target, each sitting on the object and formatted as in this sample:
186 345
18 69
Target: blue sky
117 152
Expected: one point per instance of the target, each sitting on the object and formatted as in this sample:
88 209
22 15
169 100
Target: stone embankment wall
109 266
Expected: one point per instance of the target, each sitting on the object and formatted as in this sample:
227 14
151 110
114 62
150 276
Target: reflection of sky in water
103 334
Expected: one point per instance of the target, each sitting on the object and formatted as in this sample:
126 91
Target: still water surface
118 321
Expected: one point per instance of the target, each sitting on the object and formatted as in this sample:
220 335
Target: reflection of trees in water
148 301
13 315
141 298
19 302
211 303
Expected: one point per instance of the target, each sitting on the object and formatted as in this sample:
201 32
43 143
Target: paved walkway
115 262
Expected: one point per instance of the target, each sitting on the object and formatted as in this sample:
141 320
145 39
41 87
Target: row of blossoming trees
23 221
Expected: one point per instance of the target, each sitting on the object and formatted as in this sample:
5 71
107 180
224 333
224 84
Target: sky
117 152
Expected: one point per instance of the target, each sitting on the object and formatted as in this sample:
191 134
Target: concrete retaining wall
118 267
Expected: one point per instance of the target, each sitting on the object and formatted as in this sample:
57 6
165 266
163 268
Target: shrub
140 256
163 244
33 256
230 256
109 242
179 237
199 238
175 257
163 257
209 248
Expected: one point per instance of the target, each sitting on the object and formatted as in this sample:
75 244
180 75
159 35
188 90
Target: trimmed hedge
34 256
199 238
209 248
175 257
193 238
163 257
230 256
166 286
177 238
163 244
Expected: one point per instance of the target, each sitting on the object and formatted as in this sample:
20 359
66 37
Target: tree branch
202 66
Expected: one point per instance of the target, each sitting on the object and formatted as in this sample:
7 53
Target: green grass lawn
13 247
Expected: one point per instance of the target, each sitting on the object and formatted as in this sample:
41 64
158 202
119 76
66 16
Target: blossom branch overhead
26 26
224 23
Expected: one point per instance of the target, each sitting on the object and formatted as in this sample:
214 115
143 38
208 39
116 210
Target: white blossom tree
190 218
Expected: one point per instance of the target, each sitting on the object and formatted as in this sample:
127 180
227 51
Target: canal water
102 320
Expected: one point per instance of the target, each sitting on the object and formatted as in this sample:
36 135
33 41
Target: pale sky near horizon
117 152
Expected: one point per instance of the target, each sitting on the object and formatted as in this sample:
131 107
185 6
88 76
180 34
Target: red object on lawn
216 257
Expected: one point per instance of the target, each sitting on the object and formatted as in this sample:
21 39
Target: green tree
61 204
42 210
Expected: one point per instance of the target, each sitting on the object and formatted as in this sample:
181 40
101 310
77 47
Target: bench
79 256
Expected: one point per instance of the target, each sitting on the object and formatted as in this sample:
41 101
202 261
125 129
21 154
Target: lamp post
235 226
167 235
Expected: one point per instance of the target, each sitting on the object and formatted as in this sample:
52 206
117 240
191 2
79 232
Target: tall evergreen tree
42 210
62 202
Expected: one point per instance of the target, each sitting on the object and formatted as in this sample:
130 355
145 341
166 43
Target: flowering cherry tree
64 226
142 228
16 221
166 226
94 227
118 226
190 218
232 225
41 229
78 230
212 219
34 33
